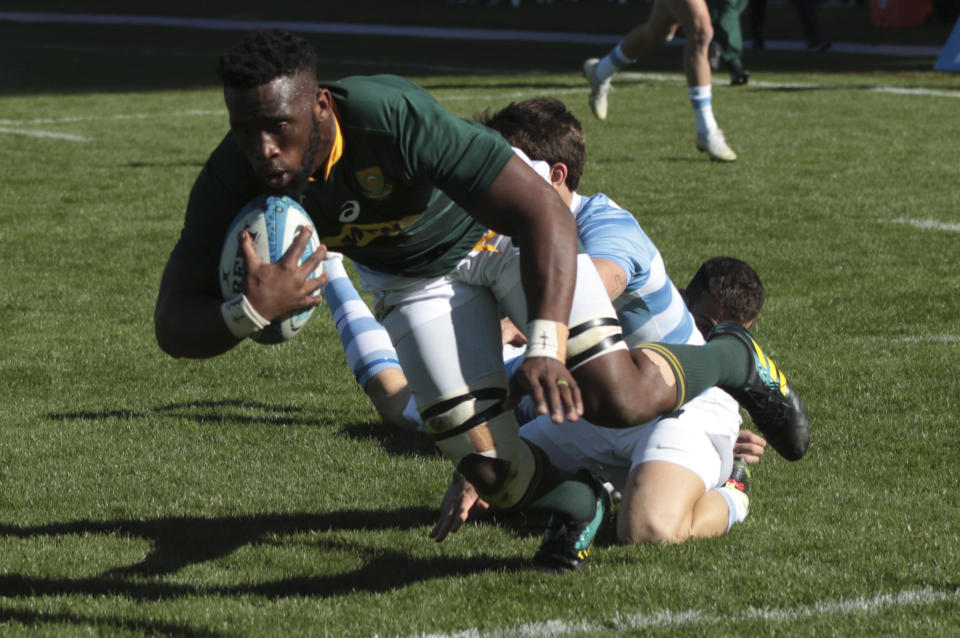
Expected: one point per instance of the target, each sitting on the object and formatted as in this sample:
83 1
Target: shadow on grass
34 619
212 412
181 542
247 412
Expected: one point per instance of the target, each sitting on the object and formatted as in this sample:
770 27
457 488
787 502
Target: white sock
738 504
613 62
701 98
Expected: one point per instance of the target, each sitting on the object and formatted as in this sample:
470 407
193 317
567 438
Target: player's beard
300 178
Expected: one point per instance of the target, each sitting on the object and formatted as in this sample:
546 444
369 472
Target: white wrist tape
547 338
242 319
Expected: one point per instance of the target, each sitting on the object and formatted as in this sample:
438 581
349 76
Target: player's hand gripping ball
273 222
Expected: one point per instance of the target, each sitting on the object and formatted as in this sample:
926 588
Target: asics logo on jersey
349 211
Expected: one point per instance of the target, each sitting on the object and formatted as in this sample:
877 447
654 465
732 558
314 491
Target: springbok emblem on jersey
373 184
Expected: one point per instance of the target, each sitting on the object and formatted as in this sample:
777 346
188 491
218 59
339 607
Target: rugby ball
274 222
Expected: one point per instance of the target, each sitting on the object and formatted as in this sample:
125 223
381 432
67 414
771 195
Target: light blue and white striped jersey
650 308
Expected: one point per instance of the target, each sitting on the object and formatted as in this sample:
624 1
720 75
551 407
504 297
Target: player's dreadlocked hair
735 285
264 56
545 130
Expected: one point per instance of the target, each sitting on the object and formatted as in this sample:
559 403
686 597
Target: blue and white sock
365 342
701 98
613 62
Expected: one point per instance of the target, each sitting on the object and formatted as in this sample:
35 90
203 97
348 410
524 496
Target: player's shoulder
366 91
603 212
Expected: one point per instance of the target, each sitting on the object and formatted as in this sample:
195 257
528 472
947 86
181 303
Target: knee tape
592 337
483 442
473 422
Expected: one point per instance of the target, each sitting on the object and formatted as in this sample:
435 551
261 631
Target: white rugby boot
713 144
598 90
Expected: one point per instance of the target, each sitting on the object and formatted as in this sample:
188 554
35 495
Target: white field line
944 338
680 79
48 134
650 77
926 224
4 124
118 116
630 623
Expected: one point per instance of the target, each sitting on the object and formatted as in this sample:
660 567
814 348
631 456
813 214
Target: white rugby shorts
700 438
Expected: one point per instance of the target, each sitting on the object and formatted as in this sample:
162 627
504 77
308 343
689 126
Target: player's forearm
548 267
524 206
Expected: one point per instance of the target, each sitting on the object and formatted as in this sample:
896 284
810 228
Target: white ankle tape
242 319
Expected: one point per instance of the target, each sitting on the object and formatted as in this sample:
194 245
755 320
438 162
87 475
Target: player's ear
558 173
323 104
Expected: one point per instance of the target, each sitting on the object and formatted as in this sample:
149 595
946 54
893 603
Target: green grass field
255 494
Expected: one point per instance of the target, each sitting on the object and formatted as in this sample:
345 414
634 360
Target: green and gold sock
721 362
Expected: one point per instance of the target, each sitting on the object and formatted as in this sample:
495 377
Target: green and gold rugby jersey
395 197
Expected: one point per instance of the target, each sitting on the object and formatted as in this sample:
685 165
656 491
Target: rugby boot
739 477
773 405
714 144
566 545
739 77
598 89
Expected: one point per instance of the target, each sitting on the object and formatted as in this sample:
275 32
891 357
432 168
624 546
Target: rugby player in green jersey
448 227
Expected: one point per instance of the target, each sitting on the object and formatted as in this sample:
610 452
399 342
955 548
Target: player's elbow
165 332
167 343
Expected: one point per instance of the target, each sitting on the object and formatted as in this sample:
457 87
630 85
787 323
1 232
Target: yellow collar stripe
337 151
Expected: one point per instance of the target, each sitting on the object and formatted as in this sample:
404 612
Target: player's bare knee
650 530
702 34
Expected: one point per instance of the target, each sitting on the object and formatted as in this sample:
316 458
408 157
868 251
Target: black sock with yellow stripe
723 362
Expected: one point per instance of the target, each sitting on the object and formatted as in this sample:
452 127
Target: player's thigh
693 15
663 19
447 338
658 502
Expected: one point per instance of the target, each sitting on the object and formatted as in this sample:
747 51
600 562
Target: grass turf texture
254 494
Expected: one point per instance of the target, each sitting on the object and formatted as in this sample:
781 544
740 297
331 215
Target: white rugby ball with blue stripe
273 221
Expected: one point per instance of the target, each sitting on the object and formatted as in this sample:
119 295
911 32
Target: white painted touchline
927 224
628 623
48 134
